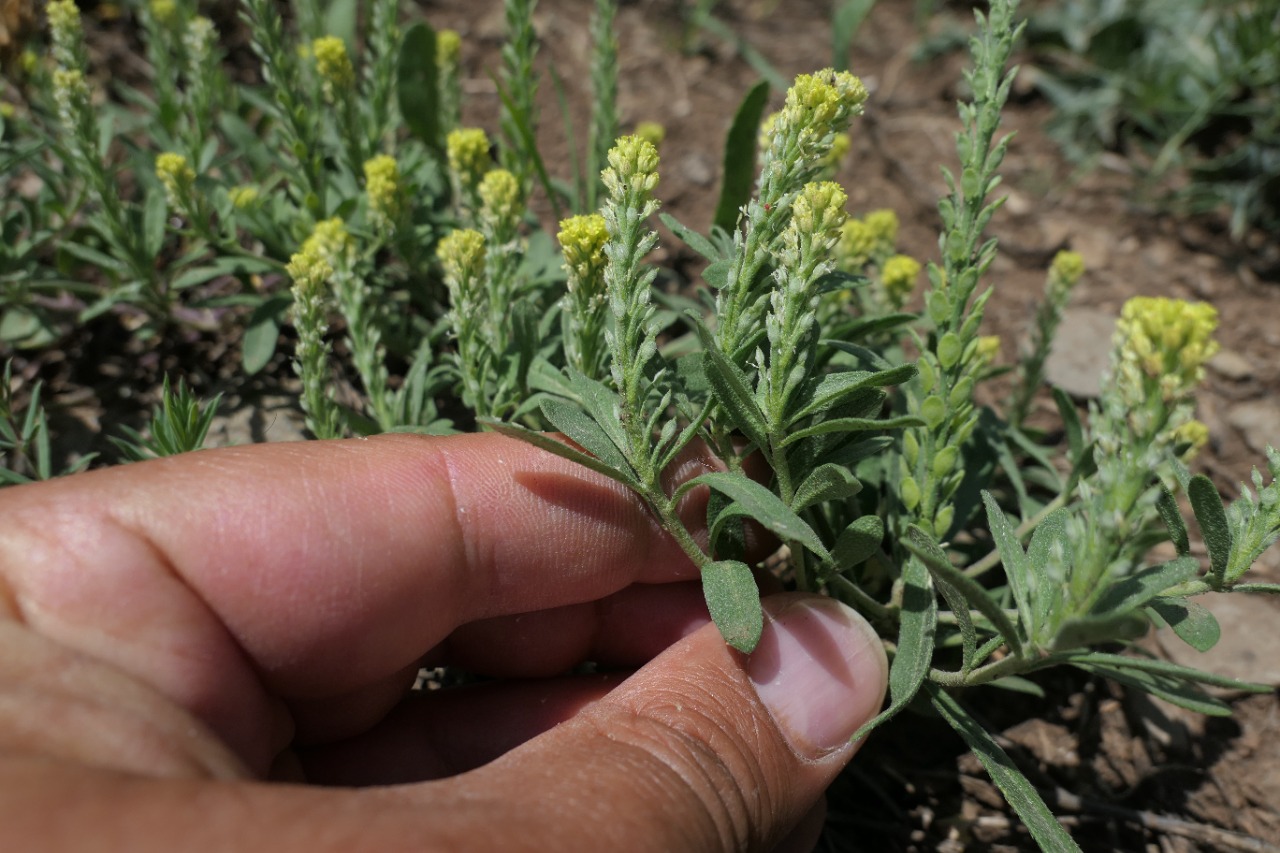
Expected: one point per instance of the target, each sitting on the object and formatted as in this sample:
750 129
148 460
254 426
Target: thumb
704 748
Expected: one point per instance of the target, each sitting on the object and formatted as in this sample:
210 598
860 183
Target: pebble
275 418
1230 364
1081 352
1259 423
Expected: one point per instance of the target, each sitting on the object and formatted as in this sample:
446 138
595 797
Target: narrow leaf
763 506
1160 667
917 626
857 542
740 157
1050 533
1272 588
826 483
734 603
1091 630
155 213
1017 567
1194 623
853 425
416 86
691 238
935 559
1137 589
1070 423
1172 517
583 429
833 388
732 392
559 448
1212 519
1181 693
1017 790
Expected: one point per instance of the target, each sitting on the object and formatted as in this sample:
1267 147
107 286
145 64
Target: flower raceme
633 164
176 175
1168 340
382 187
582 240
333 65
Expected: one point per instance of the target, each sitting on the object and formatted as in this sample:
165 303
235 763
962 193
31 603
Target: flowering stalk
1065 271
931 469
462 256
501 206
604 96
310 273
521 83
380 73
818 107
201 73
162 22
448 82
338 86
467 151
384 195
582 240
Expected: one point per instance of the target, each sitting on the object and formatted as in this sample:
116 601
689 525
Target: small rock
1231 365
1250 635
257 421
1259 422
698 170
1081 352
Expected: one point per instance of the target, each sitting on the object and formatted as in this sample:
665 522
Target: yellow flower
1194 434
243 196
176 174
819 209
816 101
468 152
500 197
883 225
164 11
7 110
461 253
1168 340
766 130
28 61
1067 266
448 48
330 240
582 240
988 347
382 187
64 20
651 131
333 64
899 278
855 245
633 164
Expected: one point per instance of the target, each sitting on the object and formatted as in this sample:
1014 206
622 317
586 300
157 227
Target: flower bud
633 166
899 278
500 199
468 153
382 188
177 176
582 240
333 65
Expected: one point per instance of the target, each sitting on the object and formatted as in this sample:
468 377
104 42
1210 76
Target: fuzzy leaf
559 448
691 238
740 157
826 483
1070 423
716 275
857 542
1193 622
602 404
1212 519
1273 588
935 559
917 626
262 333
1180 692
1167 504
155 213
853 425
834 388
1017 567
1137 589
1092 630
416 86
763 506
732 391
583 429
1017 790
1050 532
734 603
1164 668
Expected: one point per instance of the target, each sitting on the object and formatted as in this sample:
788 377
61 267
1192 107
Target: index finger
314 569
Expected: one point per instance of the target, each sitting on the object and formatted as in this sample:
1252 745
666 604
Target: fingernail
820 670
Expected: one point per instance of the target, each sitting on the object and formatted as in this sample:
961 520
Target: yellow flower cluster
70 93
582 240
333 64
816 101
1194 434
448 48
899 279
382 187
883 225
633 164
1167 339
468 152
64 20
164 11
199 39
176 174
461 253
243 196
651 131
500 197
819 209
1068 267
326 248
988 347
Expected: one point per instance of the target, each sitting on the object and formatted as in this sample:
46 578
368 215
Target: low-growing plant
980 551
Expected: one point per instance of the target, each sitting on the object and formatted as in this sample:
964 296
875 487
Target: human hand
175 634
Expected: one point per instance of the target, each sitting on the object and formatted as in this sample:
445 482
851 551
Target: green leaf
559 448
1022 576
583 429
853 425
1017 790
1193 622
416 87
1018 684
1070 423
1050 533
1212 519
740 157
832 389
917 626
262 333
734 603
1092 630
223 266
1137 589
857 542
691 238
716 275
1167 504
340 21
1272 588
1176 690
155 213
732 392
935 559
763 506
602 404
845 22
826 483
